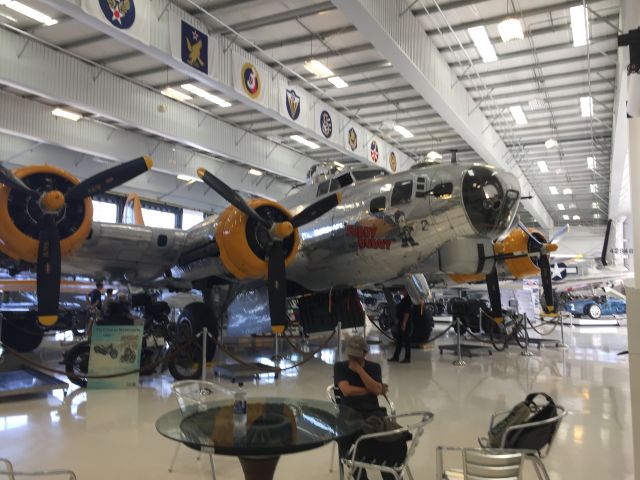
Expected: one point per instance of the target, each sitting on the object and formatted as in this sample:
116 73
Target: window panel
191 218
401 193
106 212
158 218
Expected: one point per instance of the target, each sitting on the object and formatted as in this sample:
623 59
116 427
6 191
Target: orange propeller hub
282 230
53 201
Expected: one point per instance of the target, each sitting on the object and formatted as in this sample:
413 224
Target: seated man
118 312
360 383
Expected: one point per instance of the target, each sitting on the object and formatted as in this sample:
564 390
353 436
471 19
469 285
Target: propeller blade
493 287
110 178
316 210
10 180
559 233
231 196
547 287
277 285
48 270
524 228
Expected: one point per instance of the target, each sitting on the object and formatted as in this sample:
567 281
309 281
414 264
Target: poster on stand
115 349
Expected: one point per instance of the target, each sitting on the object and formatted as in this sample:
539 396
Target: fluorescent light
188 178
567 191
593 187
255 172
518 115
59 112
8 17
433 155
551 143
596 215
338 82
586 106
595 205
403 131
565 217
579 25
338 164
510 29
206 95
30 12
553 190
305 142
576 217
483 44
175 94
542 165
561 206
591 163
572 206
319 69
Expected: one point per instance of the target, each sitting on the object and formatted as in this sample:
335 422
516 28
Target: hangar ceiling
543 73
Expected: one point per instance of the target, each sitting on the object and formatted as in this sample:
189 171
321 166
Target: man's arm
371 385
349 390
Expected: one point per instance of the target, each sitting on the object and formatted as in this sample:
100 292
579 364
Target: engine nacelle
518 242
20 215
244 242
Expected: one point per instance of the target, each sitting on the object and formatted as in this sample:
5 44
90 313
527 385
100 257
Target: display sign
115 349
190 45
129 16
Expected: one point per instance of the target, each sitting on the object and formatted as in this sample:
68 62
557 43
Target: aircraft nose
490 198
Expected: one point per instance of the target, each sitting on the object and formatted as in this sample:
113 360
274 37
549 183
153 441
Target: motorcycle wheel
186 361
76 363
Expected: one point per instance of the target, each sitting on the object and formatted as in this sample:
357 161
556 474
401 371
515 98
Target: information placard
115 349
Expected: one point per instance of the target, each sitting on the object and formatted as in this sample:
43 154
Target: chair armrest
440 472
523 426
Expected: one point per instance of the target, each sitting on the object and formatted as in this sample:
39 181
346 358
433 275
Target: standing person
403 332
94 301
108 299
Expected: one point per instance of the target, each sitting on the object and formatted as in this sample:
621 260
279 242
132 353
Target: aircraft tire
186 364
594 311
192 319
76 363
21 335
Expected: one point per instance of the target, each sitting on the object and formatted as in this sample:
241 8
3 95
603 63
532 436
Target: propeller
277 232
51 203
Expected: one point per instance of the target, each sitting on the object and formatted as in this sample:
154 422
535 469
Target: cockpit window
402 192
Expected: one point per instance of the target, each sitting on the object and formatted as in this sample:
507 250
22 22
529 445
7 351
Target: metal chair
353 467
512 430
334 395
489 464
198 393
12 474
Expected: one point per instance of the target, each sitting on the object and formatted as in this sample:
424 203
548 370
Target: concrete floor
107 434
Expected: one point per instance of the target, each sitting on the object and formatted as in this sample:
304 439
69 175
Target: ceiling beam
401 39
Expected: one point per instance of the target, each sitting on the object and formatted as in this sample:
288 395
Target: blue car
596 308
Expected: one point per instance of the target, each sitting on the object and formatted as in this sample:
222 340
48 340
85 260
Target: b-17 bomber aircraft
345 229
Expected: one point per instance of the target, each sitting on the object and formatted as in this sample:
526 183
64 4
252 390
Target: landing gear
192 319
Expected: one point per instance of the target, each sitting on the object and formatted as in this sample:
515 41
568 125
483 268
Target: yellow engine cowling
518 242
19 215
243 243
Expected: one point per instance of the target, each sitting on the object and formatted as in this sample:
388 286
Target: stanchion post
459 362
526 352
204 353
562 344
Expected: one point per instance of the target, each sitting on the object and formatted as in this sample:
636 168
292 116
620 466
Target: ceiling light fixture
576 217
433 155
482 43
551 143
542 165
591 163
596 215
73 116
27 11
579 25
188 178
319 69
305 142
403 131
595 205
565 217
553 190
561 206
586 106
175 94
567 191
210 97
510 29
338 82
518 115
254 172
593 187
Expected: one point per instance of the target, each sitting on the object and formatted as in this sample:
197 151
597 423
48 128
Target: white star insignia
557 271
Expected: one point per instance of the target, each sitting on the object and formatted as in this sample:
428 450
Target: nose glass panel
490 199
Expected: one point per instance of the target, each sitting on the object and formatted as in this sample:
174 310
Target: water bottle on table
239 413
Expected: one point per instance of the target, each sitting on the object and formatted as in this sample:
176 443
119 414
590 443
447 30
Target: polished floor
110 434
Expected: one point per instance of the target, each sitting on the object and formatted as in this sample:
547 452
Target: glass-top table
273 427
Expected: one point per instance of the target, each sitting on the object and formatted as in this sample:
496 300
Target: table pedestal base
259 468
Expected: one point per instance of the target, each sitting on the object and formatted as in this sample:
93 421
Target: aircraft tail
132 214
